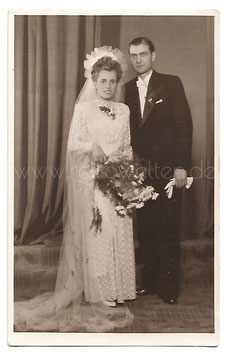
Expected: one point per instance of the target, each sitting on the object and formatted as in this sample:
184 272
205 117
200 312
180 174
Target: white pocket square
159 101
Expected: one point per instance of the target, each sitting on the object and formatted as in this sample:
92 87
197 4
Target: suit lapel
154 82
136 100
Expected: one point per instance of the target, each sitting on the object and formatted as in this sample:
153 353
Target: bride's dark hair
106 63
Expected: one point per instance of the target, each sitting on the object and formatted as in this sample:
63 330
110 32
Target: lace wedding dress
94 266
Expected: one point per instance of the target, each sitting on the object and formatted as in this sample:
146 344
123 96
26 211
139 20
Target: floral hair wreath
105 51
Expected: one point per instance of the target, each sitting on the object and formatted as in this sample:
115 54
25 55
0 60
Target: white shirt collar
147 78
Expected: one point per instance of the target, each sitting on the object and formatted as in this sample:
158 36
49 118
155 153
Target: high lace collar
107 103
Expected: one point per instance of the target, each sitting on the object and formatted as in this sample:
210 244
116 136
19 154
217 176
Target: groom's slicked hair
143 40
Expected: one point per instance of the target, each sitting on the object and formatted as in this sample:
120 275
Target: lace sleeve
77 139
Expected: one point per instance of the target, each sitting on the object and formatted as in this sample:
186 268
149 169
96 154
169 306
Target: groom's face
141 58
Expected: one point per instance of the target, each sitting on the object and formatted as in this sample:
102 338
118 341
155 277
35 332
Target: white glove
169 187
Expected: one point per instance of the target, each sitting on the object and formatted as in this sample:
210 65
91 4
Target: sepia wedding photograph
113 178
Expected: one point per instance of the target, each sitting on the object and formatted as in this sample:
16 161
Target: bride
96 271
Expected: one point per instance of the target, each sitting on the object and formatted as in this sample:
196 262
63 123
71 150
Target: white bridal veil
65 309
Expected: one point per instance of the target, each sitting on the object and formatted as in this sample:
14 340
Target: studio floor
194 312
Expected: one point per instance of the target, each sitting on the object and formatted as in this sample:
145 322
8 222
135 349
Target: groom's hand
180 176
98 154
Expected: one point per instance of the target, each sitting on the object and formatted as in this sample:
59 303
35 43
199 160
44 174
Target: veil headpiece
88 93
98 53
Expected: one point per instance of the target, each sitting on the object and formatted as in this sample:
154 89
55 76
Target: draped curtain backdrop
49 54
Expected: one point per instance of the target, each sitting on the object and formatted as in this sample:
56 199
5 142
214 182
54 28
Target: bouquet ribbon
169 187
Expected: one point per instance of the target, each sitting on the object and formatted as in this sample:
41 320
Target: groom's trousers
158 229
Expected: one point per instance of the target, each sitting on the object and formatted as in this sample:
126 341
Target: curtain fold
209 192
49 54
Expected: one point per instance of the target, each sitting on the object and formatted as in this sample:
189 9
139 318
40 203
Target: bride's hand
98 154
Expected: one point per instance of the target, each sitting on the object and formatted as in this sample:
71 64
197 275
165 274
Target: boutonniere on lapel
108 111
154 97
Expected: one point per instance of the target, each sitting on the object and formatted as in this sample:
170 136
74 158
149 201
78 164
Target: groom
161 134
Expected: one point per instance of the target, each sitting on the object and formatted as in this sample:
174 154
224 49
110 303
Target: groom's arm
182 127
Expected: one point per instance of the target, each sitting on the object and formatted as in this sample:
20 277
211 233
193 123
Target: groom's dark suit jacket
164 135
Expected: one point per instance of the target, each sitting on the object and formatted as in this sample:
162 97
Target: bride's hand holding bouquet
98 155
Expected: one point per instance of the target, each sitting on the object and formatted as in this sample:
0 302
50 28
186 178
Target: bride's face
106 84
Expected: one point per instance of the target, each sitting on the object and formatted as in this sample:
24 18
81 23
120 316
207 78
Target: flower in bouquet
122 181
120 210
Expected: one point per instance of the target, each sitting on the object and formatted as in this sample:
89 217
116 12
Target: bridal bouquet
123 182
